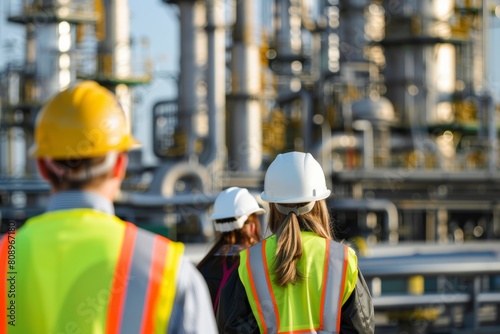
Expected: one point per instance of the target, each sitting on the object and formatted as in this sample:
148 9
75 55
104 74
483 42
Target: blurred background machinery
394 98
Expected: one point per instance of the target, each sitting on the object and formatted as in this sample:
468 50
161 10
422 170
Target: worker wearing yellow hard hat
78 268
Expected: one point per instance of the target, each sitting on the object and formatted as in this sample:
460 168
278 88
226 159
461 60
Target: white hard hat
294 177
235 203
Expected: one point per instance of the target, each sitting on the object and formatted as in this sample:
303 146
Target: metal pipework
288 28
167 175
193 61
114 51
30 92
422 64
216 85
391 220
352 31
367 128
54 68
244 115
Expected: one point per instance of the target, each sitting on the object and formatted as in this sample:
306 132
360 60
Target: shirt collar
77 199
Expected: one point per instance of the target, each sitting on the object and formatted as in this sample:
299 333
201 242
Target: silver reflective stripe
334 288
333 285
264 296
137 286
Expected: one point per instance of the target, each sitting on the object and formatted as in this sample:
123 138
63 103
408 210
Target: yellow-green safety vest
311 306
84 271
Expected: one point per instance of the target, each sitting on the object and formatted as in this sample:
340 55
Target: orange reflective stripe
3 283
255 295
269 285
119 285
342 287
155 278
323 292
310 331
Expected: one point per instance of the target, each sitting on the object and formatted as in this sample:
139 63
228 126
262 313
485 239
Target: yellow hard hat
83 121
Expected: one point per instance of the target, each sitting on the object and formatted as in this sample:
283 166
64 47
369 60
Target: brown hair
289 241
235 237
61 181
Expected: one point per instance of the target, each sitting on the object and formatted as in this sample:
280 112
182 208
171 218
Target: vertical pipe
216 83
492 134
367 128
485 38
15 162
55 45
287 42
114 54
352 31
307 119
244 117
490 104
192 88
30 93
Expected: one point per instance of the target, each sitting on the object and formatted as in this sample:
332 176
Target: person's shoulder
352 257
189 277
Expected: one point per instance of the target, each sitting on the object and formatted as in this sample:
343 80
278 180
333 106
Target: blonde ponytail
289 241
288 251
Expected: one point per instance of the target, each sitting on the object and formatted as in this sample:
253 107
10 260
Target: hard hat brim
288 200
259 211
129 145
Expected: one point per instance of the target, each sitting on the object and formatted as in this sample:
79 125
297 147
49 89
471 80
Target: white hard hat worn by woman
236 203
298 279
236 219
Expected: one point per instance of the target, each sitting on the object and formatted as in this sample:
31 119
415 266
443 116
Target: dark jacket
212 267
234 314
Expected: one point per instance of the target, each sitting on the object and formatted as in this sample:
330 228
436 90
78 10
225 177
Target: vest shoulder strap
139 307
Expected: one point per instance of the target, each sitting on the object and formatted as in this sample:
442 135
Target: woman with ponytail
299 279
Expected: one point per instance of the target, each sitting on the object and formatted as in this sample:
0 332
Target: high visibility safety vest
84 271
311 306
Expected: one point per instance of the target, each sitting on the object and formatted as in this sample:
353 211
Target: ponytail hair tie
286 210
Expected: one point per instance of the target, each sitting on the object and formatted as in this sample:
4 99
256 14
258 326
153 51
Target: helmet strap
286 210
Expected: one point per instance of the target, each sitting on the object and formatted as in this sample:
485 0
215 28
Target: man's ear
120 168
42 168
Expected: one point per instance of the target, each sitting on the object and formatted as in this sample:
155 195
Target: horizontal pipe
465 263
391 221
411 301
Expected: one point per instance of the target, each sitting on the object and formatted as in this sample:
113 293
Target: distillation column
420 68
420 59
288 66
192 84
113 51
244 109
215 151
49 64
54 46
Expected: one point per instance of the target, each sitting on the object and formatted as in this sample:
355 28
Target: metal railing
455 282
